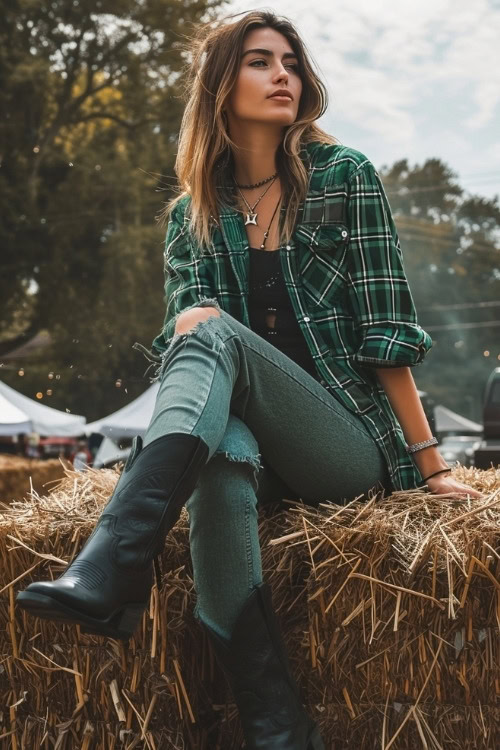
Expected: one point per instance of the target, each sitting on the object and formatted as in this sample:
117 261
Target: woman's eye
293 66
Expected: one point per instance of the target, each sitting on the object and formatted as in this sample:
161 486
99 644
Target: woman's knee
233 470
238 443
189 318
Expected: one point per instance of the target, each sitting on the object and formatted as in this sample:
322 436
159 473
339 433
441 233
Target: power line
430 232
464 306
472 175
462 326
403 191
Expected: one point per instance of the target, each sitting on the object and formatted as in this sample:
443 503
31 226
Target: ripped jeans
273 432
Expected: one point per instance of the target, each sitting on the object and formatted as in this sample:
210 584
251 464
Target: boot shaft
256 662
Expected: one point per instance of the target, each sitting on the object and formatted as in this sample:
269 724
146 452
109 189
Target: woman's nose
282 76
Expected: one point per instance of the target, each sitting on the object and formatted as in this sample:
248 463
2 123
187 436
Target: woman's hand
445 484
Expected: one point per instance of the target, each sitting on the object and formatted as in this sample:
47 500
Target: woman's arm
187 281
403 397
384 317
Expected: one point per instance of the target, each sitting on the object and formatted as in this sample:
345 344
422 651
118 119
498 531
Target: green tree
452 259
91 96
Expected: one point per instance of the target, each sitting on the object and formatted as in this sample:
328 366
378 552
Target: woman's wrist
435 474
429 460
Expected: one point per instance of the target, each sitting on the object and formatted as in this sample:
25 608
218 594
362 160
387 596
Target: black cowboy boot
107 587
268 700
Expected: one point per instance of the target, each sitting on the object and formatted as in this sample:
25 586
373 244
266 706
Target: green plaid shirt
345 276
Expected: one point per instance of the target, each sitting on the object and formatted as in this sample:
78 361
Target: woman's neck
255 153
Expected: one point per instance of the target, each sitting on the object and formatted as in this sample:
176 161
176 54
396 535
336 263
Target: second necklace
266 233
251 215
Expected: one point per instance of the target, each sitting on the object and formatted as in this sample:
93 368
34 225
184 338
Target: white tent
12 419
449 421
109 453
128 421
19 413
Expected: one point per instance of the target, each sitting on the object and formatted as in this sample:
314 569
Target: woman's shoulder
334 163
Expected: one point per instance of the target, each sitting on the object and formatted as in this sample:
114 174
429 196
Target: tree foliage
91 102
92 107
451 248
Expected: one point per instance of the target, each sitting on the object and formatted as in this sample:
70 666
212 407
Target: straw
363 593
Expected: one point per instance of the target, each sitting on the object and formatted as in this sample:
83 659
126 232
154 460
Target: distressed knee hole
253 461
189 321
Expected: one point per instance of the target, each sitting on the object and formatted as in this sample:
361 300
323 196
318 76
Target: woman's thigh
307 438
310 441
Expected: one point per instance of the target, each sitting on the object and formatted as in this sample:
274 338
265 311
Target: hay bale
390 610
19 475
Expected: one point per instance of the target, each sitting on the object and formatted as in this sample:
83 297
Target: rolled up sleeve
381 303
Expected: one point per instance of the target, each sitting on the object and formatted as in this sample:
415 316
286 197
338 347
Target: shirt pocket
323 237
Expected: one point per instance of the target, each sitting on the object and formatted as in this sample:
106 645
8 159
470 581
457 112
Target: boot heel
121 626
128 621
315 741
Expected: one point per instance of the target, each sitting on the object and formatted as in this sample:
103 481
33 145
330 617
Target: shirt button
344 233
288 247
322 382
306 319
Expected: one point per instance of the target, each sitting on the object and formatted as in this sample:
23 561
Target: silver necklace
251 215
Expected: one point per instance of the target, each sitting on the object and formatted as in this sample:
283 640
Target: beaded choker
256 184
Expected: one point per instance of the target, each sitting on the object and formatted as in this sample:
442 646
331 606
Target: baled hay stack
18 476
390 610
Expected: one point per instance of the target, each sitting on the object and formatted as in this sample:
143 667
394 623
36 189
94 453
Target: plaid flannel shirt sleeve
185 279
379 295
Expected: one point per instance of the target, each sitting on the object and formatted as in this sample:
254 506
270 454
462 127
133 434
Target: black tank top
268 295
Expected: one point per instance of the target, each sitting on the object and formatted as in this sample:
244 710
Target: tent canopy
128 421
448 421
12 419
19 413
109 453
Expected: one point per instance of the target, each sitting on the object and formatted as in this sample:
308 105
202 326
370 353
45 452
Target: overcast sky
409 79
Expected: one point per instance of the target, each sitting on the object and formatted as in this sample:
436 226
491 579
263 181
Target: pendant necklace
251 215
266 233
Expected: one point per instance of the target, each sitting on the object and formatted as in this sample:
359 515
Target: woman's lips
281 98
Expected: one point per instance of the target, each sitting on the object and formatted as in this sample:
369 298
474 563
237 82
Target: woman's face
267 64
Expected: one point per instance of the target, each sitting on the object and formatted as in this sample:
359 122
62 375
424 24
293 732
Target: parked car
459 448
487 453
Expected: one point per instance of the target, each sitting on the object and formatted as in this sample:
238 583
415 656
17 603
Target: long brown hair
204 160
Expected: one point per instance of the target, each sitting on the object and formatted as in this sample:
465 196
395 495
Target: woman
286 349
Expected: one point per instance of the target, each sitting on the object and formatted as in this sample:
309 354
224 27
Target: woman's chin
276 119
282 121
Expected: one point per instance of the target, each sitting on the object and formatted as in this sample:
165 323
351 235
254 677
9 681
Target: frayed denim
273 431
